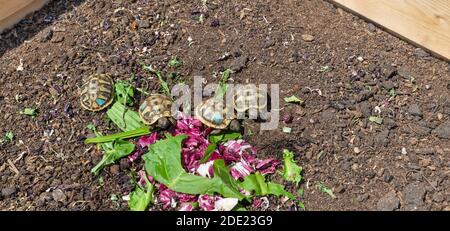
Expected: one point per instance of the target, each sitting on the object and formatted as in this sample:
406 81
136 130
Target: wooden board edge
437 55
11 20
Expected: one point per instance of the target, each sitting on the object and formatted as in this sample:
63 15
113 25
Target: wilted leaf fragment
291 171
324 69
91 127
140 198
224 137
376 119
326 190
119 149
174 63
222 88
293 99
9 136
29 112
287 129
256 183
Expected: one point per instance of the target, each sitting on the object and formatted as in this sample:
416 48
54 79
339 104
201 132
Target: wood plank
12 11
423 22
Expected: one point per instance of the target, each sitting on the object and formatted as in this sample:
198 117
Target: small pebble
387 177
47 36
363 197
143 24
421 53
388 202
57 38
239 63
58 195
9 191
371 27
356 150
296 56
268 43
443 130
307 37
215 23
424 162
414 110
339 189
114 169
438 197
404 152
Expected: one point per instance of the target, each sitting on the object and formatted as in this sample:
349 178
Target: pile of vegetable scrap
188 168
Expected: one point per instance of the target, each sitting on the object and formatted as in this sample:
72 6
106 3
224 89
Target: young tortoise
97 92
157 109
212 114
249 99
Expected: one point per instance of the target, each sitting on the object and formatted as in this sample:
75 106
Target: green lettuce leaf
222 88
256 183
113 151
208 151
291 171
163 163
125 118
227 185
224 137
140 198
124 92
293 99
376 119
121 135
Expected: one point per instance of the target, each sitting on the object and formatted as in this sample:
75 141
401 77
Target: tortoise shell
155 107
248 97
212 113
97 92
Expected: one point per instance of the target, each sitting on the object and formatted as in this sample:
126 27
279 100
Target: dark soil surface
308 47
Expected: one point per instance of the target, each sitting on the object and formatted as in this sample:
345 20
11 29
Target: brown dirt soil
402 164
